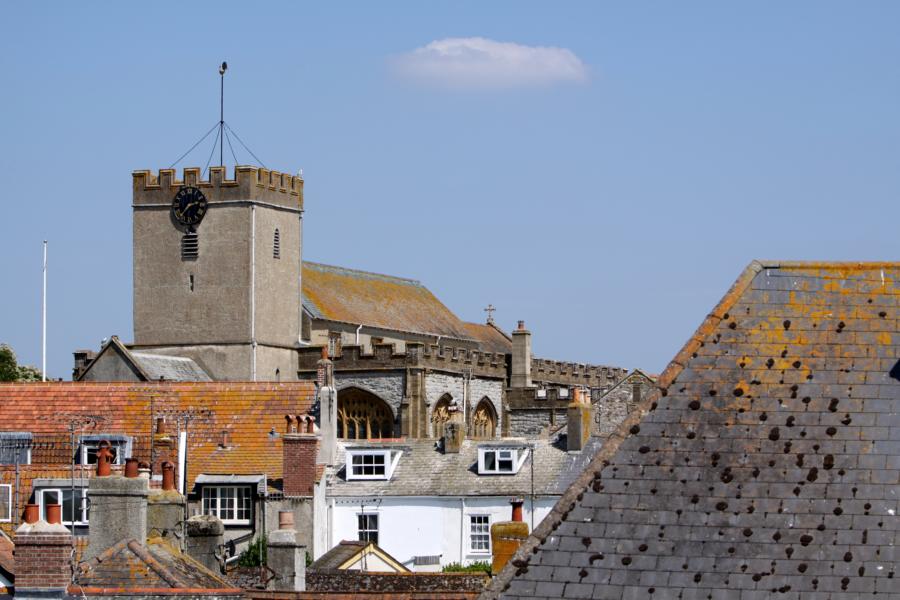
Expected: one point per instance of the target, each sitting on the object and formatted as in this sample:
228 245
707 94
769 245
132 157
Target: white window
563 392
231 503
367 524
5 503
500 461
480 533
541 394
370 464
64 496
118 445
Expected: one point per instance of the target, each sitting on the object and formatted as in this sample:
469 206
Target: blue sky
609 204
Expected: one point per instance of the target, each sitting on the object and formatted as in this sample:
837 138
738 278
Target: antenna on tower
222 70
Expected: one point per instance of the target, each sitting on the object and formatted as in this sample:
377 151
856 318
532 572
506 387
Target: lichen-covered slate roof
489 337
249 412
424 470
768 464
357 297
130 567
337 556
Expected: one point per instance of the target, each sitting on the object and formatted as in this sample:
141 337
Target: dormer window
500 461
371 464
119 445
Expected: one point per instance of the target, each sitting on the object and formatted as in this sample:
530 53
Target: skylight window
500 461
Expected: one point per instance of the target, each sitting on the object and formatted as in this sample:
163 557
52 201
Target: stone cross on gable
490 312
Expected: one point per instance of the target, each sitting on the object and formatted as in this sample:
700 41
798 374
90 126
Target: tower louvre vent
190 246
276 245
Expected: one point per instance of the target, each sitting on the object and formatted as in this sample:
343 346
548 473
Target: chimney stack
506 537
165 509
521 358
454 433
299 457
286 556
118 507
326 395
43 555
578 421
205 535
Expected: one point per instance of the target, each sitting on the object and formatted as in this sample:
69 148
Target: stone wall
387 385
611 408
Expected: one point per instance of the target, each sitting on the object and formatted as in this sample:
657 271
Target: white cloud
480 63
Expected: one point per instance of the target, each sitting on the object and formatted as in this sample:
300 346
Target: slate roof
358 297
169 368
766 466
337 556
423 470
130 567
490 337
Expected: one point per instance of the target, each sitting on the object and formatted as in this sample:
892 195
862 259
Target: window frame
61 491
385 455
122 446
236 509
368 530
9 507
486 533
516 457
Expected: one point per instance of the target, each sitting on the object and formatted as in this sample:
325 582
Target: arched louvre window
440 415
276 245
363 416
484 420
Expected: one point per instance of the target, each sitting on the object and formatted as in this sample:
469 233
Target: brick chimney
507 536
118 508
521 358
43 555
299 456
286 556
327 397
578 421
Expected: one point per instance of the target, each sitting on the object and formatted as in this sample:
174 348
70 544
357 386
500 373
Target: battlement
384 357
553 371
248 183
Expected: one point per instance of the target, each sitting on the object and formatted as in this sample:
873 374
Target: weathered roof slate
768 464
491 338
424 470
358 297
169 368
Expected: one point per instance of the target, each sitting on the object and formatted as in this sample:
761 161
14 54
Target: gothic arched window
363 416
440 414
484 420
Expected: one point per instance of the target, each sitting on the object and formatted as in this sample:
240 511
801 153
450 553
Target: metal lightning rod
222 70
44 319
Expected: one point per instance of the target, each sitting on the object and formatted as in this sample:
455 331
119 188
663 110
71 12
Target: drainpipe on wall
462 528
253 291
357 334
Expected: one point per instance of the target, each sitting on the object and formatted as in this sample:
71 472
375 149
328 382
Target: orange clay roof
382 301
249 412
490 337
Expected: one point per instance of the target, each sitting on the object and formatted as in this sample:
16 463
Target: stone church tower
217 270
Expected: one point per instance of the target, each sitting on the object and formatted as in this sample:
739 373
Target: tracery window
363 416
484 420
441 413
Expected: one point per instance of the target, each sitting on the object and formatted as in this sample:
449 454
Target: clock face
189 206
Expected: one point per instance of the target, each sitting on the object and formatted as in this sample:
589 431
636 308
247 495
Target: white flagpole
44 320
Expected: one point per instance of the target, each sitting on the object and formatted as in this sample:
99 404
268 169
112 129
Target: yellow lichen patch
884 338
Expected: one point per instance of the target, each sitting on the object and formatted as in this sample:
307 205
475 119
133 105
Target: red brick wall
43 560
299 464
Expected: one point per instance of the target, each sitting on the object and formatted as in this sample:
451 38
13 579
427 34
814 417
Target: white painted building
428 508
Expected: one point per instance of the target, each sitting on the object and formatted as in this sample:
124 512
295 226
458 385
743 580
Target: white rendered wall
427 526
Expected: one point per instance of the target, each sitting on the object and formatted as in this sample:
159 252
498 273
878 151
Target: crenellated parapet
417 355
595 376
249 183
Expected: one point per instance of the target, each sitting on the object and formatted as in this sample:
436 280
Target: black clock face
189 206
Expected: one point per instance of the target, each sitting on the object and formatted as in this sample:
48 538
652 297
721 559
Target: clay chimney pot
285 519
104 459
521 326
324 352
32 513
54 514
168 476
160 425
310 424
517 509
290 424
131 467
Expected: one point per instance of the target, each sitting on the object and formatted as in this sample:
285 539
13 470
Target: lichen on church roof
767 463
382 301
